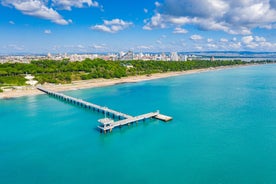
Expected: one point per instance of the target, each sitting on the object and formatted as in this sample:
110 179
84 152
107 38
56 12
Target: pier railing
106 123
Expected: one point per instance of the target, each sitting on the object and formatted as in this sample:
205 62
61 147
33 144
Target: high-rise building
128 56
183 57
174 56
212 58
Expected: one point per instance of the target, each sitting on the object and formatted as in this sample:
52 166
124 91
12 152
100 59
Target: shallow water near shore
223 131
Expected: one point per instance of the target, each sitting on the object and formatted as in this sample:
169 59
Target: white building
174 56
183 57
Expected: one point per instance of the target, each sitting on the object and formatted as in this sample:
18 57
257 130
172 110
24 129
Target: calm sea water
224 131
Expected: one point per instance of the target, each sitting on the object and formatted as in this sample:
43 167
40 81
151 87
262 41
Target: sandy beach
83 84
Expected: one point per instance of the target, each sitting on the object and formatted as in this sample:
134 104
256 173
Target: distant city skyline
89 26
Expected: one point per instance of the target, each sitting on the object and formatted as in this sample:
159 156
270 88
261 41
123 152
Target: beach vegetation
12 81
64 71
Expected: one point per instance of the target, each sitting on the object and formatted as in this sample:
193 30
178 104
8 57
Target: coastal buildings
122 56
127 56
20 58
130 55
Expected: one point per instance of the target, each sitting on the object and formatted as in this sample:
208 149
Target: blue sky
58 26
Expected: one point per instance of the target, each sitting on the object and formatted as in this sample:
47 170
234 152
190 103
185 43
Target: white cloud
257 42
46 9
117 22
159 42
251 42
68 4
147 27
99 46
72 48
102 28
196 37
155 22
146 10
75 48
267 45
144 47
47 31
252 45
36 8
180 20
234 17
80 46
235 45
179 30
212 46
157 4
223 40
260 39
247 39
269 26
198 47
112 26
14 47
209 40
11 22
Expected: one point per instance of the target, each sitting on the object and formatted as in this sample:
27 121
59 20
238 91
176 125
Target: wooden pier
107 124
88 105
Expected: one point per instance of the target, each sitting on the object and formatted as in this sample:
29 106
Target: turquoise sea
223 131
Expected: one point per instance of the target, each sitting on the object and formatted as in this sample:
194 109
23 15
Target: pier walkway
107 124
80 102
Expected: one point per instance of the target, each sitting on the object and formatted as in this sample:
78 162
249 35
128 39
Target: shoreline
94 83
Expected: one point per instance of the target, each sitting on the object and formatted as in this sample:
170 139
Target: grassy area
12 80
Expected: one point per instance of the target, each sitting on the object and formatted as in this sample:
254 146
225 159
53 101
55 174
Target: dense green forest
64 71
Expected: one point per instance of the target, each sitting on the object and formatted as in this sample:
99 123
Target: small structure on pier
107 124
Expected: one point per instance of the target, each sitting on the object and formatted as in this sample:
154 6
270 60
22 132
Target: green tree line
64 71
